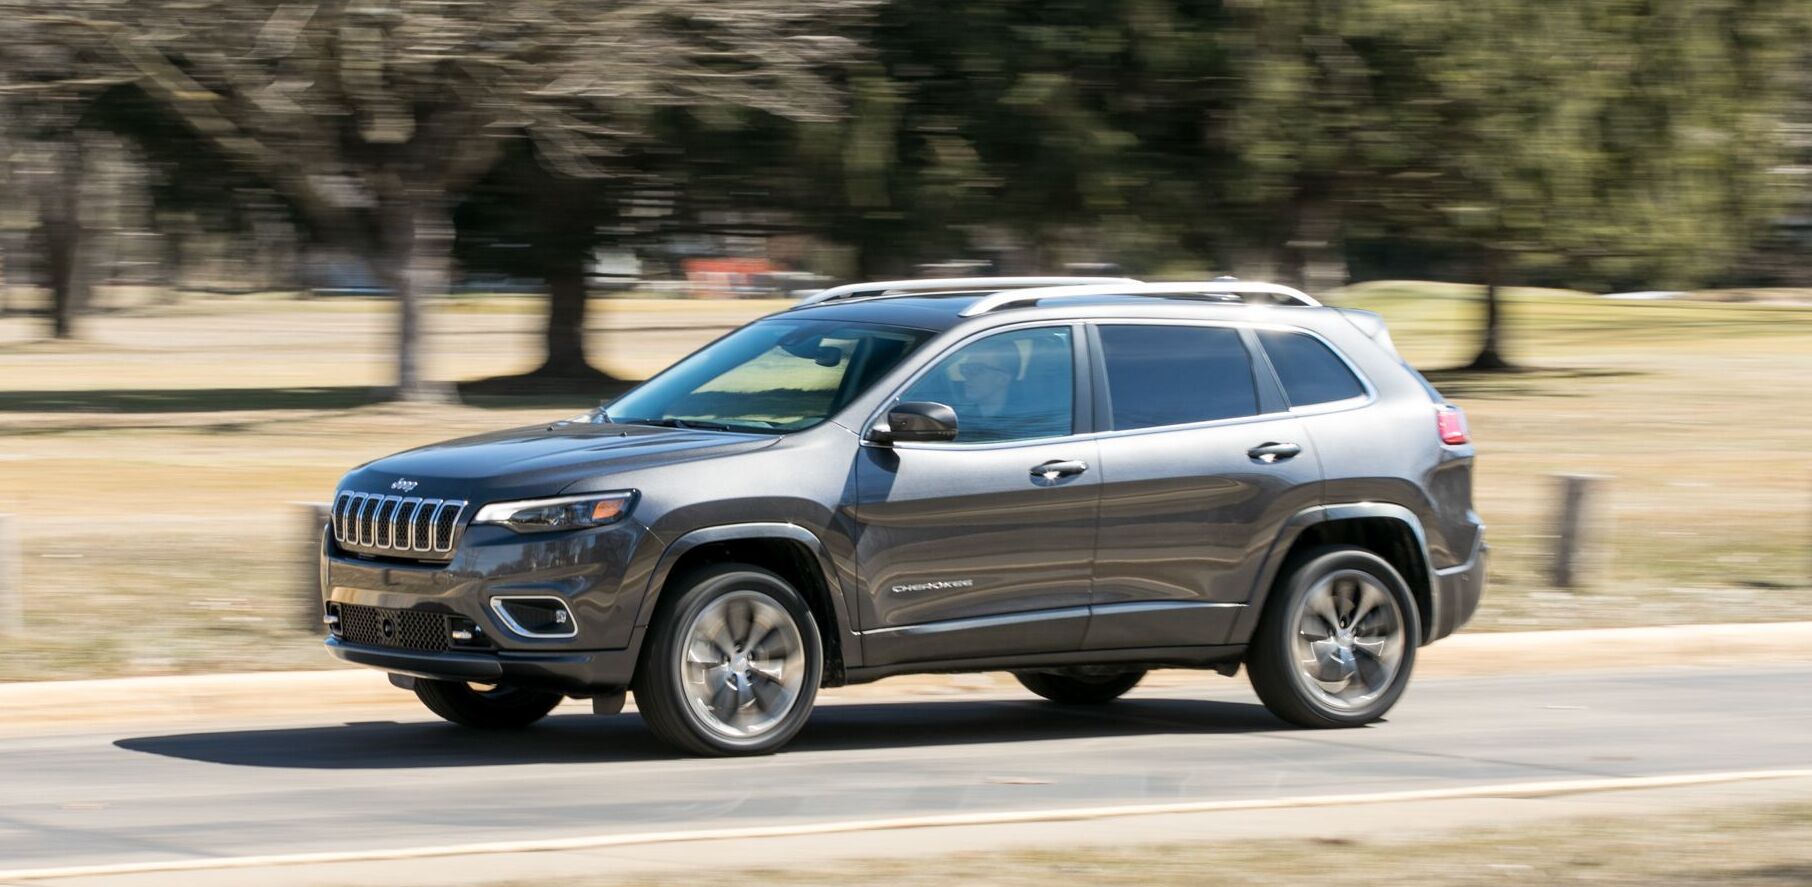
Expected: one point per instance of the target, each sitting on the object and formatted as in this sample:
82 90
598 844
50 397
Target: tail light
1451 423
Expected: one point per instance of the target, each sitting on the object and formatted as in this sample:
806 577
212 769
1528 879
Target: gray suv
1075 480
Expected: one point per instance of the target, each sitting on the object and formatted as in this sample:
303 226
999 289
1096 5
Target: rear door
980 546
1201 464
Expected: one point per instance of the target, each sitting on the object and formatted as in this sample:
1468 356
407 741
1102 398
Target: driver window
1009 386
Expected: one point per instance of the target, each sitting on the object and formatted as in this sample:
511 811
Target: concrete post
12 579
311 521
1572 528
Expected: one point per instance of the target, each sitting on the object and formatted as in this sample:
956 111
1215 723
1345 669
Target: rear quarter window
1310 371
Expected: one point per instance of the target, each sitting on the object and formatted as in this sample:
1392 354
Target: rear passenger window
1311 372
1168 375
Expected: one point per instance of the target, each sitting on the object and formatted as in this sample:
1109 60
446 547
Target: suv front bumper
585 570
583 672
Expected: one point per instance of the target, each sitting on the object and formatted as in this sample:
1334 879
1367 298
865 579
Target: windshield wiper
677 423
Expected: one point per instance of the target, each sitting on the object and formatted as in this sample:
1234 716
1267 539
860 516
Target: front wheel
1337 640
733 666
1071 688
489 708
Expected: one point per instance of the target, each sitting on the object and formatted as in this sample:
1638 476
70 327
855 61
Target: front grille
380 627
397 525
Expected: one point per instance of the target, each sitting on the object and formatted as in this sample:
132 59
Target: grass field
152 465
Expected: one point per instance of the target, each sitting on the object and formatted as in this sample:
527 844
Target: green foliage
1595 143
1609 141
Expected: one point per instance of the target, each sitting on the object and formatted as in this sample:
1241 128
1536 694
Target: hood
541 460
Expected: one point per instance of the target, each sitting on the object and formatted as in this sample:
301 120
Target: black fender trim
1247 623
849 639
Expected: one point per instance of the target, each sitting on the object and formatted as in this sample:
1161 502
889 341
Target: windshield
774 376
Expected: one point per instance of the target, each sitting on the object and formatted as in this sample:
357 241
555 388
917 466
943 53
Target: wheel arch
1388 530
792 551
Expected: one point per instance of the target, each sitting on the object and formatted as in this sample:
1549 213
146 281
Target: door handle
1274 452
1059 468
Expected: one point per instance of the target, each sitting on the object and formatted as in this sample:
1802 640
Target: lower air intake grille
404 629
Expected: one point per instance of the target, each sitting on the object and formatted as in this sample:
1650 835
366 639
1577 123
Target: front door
981 546
1201 464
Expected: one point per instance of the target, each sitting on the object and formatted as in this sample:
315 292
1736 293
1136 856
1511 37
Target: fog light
464 632
535 616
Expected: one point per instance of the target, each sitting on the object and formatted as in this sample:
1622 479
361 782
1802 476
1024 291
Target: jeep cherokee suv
1076 480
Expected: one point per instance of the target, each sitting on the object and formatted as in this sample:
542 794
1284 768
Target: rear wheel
733 666
485 707
1072 688
1337 641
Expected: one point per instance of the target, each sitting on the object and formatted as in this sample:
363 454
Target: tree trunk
1255 262
173 235
416 252
15 267
65 246
1319 252
1490 355
566 291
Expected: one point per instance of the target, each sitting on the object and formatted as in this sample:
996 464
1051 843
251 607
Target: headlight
564 513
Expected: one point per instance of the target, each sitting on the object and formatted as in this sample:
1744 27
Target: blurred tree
684 174
372 119
53 152
1144 133
1611 139
975 133
525 221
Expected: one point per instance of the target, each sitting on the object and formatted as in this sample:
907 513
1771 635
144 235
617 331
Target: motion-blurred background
250 244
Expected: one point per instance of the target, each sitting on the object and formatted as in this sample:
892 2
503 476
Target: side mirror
916 421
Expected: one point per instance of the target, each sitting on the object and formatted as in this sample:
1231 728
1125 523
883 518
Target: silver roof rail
947 284
1207 288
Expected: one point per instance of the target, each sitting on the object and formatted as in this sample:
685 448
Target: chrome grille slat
422 533
384 522
445 524
396 511
403 537
340 505
433 527
409 526
367 524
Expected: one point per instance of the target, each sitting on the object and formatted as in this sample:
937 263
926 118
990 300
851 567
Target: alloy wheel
1349 639
742 665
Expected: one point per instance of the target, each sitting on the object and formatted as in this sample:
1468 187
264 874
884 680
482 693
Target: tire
732 665
1080 689
1349 612
498 708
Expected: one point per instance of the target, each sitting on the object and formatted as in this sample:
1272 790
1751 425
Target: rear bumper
571 672
1459 589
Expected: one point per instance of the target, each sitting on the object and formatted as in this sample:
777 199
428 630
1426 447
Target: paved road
330 786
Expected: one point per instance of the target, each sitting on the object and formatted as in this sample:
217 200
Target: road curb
36 706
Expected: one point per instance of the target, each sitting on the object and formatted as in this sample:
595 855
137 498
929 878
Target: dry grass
156 457
1763 847
1699 416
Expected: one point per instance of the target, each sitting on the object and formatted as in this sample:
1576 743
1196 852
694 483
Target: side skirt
1220 657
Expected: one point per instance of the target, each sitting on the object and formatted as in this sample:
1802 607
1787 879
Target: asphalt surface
323 785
